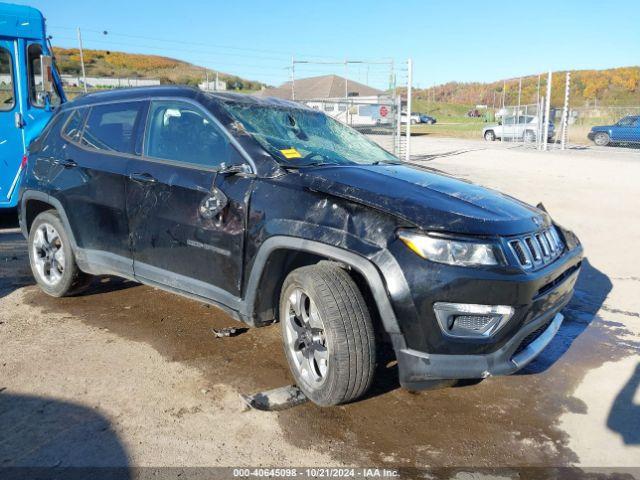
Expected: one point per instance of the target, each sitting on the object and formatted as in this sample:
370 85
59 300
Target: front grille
537 250
532 337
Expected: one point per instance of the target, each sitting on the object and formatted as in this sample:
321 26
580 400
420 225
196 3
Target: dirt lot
127 375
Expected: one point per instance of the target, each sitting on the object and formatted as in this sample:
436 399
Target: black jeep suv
273 211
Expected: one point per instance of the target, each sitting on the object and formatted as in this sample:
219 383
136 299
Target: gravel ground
127 375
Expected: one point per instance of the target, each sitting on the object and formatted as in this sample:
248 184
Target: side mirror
46 73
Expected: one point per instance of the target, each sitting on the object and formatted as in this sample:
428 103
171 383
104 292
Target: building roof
324 86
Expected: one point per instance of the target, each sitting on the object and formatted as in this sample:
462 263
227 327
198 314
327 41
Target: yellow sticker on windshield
290 153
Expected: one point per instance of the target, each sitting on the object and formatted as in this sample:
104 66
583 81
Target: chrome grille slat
537 250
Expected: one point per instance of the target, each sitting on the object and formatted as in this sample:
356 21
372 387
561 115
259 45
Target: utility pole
293 78
407 152
215 87
206 71
346 82
565 112
547 113
84 74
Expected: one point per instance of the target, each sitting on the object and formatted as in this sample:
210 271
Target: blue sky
448 40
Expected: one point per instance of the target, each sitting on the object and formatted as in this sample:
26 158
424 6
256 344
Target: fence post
407 152
547 113
565 112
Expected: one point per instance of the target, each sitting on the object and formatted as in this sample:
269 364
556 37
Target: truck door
11 136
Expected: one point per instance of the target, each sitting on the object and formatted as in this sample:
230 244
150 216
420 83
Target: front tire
602 139
51 257
327 334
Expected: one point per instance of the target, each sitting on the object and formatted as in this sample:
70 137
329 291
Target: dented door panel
173 235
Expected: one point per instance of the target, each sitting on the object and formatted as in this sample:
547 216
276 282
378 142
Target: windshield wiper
385 162
297 166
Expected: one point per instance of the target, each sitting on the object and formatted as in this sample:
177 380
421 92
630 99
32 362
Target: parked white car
414 118
522 127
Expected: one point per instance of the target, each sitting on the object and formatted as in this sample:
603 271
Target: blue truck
30 90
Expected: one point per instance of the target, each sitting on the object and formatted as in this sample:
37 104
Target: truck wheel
602 139
51 257
327 334
489 136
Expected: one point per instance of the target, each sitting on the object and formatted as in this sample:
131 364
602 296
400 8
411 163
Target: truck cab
30 90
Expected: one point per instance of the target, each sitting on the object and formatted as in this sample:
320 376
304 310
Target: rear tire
489 136
602 139
327 333
51 257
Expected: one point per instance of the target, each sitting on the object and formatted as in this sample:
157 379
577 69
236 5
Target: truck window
34 69
7 94
112 127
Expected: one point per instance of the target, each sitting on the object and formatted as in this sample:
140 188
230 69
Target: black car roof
178 91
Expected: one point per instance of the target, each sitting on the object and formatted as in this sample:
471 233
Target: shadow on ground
592 289
40 432
624 417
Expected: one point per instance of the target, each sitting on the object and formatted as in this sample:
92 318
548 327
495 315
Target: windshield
299 136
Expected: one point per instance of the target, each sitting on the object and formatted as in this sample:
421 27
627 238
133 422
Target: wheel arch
279 255
32 203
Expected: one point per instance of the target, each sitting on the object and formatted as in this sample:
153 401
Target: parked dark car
274 211
427 119
627 130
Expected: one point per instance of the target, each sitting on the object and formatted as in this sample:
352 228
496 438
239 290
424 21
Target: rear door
178 238
11 137
91 178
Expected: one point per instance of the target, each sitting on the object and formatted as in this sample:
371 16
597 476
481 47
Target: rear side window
111 127
7 96
73 127
181 132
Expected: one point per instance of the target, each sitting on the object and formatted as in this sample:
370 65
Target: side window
509 120
73 127
111 127
180 131
7 94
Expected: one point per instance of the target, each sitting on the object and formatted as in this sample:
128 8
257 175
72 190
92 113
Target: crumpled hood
429 200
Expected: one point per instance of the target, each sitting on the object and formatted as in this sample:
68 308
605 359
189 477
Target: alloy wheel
305 338
48 254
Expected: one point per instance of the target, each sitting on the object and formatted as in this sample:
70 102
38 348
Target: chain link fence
377 117
517 112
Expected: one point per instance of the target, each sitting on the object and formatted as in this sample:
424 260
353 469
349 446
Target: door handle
142 177
66 163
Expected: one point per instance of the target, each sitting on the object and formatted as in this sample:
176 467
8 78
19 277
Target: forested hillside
615 86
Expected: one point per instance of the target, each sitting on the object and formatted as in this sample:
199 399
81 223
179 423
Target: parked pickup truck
274 211
522 127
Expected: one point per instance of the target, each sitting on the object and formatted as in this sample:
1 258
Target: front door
11 136
180 238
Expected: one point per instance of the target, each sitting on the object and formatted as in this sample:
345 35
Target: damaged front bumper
524 337
418 370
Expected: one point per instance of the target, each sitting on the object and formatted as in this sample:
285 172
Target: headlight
453 252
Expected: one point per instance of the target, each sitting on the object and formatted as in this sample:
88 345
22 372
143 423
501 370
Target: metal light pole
565 112
84 74
547 113
407 152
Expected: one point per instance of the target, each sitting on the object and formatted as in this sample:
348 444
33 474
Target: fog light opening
471 321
